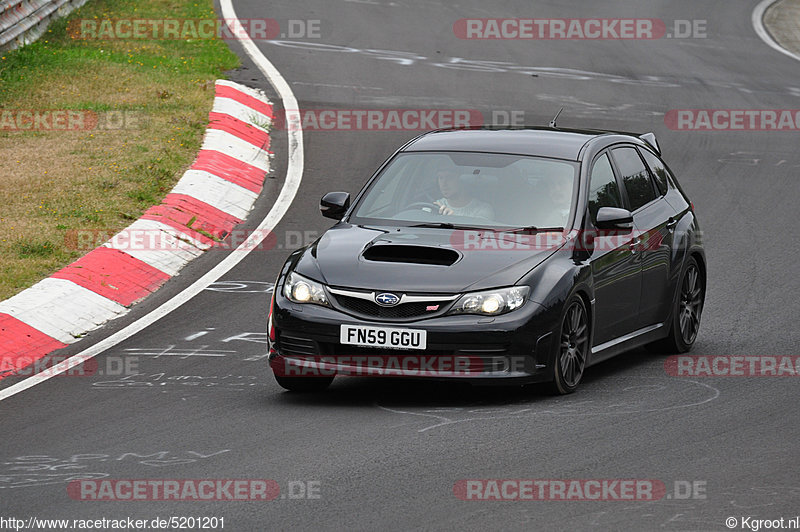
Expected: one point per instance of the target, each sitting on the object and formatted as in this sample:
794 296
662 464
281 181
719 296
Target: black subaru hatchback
497 256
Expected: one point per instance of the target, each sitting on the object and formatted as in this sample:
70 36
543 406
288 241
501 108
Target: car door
615 268
653 222
661 262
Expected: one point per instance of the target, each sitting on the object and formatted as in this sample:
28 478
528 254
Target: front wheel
573 348
304 384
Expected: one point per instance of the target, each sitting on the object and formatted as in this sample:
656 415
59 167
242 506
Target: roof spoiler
650 138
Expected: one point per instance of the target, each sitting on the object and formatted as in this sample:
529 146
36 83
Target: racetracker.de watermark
542 239
614 489
577 28
79 366
401 365
376 119
732 366
70 120
153 239
194 29
733 119
173 489
208 489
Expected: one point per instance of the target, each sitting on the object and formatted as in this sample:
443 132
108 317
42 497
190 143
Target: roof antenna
553 121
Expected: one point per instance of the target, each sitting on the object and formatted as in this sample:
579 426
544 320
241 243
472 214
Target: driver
559 192
456 201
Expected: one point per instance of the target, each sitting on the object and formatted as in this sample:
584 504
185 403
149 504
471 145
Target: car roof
560 143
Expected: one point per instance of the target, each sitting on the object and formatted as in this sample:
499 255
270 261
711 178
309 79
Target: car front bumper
512 348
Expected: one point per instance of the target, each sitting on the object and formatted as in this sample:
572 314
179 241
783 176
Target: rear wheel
573 347
304 384
686 315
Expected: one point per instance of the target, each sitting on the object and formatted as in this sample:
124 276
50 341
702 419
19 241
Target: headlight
491 302
298 289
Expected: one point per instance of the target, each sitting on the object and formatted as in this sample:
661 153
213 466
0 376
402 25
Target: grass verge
142 108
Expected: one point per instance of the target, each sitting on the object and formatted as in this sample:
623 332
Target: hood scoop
411 254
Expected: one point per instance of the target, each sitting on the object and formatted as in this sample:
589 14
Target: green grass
54 182
34 249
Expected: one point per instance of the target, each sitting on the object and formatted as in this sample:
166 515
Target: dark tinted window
635 177
603 189
659 170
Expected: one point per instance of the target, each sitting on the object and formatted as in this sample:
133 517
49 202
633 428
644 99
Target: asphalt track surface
387 453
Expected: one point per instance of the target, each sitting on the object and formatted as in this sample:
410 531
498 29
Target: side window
635 177
603 189
659 170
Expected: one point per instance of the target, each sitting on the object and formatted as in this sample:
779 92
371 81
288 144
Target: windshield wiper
448 225
523 229
436 225
529 229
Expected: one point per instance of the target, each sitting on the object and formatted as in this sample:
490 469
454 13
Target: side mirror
334 204
614 218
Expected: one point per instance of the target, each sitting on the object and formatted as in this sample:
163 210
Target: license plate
391 337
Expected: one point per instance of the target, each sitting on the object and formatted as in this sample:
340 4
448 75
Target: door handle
634 245
671 223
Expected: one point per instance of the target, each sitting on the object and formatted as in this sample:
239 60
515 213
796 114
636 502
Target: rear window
659 170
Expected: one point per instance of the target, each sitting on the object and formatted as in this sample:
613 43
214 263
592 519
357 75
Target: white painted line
195 336
219 140
61 309
758 24
241 111
217 192
294 175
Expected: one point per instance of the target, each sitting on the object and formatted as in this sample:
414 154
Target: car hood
407 259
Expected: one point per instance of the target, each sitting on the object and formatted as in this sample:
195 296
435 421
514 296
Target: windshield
470 189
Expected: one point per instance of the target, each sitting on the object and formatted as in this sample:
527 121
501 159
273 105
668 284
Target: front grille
292 346
398 312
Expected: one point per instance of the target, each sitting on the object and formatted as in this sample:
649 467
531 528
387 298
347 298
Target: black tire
686 313
573 347
304 384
